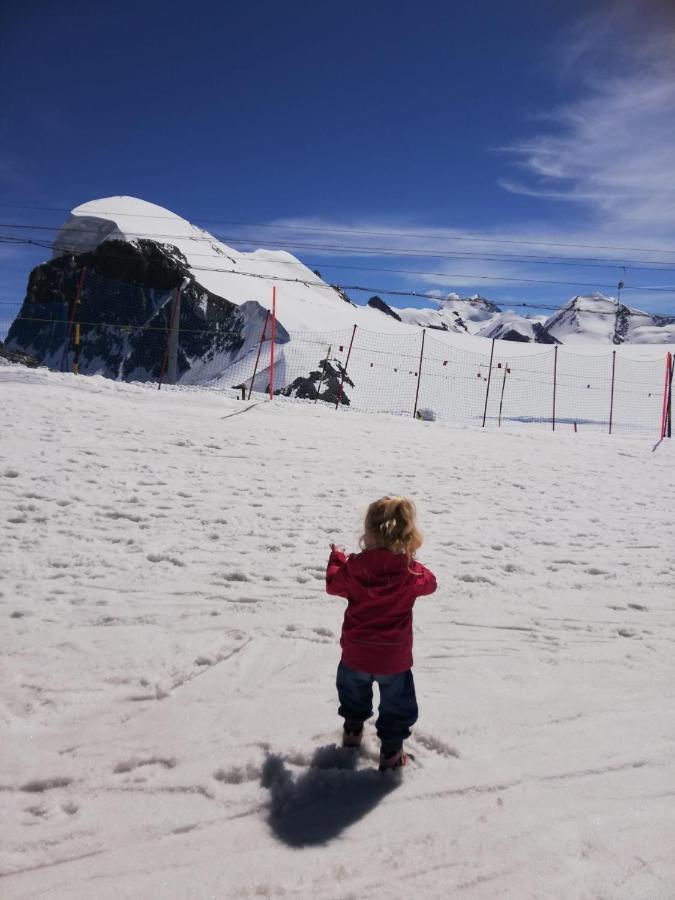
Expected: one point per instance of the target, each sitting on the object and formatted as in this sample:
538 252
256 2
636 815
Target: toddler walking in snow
381 585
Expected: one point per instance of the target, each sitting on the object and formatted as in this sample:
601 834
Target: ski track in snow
167 681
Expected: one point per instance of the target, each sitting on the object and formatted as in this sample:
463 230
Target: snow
167 690
308 306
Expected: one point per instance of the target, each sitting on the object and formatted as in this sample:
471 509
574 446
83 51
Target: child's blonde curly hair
390 525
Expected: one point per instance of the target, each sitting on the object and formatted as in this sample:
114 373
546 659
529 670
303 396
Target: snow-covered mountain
462 315
592 319
124 258
603 320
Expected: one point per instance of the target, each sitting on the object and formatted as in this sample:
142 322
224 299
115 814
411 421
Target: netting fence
139 333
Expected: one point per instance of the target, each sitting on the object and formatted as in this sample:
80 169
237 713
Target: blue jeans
398 704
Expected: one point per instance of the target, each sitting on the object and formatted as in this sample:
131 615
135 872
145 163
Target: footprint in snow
164 557
40 785
136 763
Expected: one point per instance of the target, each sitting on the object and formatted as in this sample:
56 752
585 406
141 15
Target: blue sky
525 151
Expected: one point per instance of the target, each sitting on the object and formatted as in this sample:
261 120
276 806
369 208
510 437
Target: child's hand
335 547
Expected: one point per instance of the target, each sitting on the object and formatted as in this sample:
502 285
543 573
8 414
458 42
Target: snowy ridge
314 306
311 306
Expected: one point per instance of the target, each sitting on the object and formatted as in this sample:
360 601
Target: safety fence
418 374
135 333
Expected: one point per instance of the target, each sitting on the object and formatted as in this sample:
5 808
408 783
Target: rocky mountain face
118 265
16 357
125 292
601 319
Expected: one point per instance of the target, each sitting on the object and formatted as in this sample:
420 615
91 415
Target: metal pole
274 322
555 379
611 402
419 373
487 390
172 368
501 399
71 318
257 359
666 419
665 396
76 354
323 372
172 316
670 396
344 369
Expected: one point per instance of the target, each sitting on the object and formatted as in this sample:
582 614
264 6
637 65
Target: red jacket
381 588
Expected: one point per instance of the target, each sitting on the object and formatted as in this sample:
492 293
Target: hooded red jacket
381 588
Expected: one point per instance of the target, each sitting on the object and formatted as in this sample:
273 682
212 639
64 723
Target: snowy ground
167 695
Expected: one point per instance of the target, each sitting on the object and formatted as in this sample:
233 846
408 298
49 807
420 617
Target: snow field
167 697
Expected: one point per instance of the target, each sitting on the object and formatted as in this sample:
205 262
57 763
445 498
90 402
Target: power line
518 280
323 264
434 253
361 231
419 294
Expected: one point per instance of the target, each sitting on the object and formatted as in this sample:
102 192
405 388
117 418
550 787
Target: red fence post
257 359
555 379
487 390
274 322
344 369
419 373
611 402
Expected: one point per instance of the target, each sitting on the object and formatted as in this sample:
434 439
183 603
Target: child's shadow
331 795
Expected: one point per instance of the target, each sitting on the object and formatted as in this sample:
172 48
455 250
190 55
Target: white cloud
608 155
611 150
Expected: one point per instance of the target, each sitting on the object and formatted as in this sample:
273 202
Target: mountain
119 264
124 259
601 319
453 313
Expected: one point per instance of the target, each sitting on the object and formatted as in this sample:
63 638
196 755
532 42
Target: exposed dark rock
513 335
124 311
378 303
15 356
542 336
622 324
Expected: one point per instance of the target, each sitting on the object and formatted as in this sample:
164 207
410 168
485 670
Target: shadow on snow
330 796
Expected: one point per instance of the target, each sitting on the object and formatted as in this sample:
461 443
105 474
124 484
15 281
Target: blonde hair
390 525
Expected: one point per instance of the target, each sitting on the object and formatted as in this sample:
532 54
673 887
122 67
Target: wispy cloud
609 152
612 149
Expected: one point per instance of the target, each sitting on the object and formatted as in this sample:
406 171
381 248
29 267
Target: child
381 585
